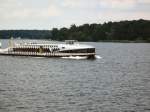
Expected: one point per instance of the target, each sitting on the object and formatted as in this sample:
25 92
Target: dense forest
25 34
136 30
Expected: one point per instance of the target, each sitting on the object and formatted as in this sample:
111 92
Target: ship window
70 41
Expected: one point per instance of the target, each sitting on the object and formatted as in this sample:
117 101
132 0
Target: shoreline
115 41
126 41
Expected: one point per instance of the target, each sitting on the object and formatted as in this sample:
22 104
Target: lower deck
88 55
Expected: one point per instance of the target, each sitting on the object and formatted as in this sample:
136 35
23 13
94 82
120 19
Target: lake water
118 82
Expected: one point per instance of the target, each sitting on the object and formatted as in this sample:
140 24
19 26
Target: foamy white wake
98 57
80 57
75 57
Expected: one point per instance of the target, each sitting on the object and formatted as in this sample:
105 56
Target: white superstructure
69 48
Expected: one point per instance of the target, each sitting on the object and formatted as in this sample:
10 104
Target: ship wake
97 57
81 57
75 57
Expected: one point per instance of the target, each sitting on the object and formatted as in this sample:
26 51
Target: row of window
35 49
44 46
91 50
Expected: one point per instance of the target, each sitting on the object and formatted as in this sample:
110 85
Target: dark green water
118 82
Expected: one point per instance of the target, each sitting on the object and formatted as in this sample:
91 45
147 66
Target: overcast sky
46 14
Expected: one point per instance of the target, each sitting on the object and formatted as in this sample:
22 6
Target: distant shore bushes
123 31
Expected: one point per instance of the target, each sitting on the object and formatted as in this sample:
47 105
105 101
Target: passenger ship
71 48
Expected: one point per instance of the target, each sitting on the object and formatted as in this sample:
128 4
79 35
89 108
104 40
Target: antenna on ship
11 43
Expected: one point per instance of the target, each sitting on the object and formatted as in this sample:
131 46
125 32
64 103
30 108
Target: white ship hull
49 50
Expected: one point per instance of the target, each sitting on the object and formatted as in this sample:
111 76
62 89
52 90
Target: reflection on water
118 82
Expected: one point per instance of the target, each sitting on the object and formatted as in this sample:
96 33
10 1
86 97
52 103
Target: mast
11 43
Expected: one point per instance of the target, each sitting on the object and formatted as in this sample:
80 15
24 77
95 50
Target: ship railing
48 54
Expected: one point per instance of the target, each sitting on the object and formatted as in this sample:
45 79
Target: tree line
25 34
136 30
